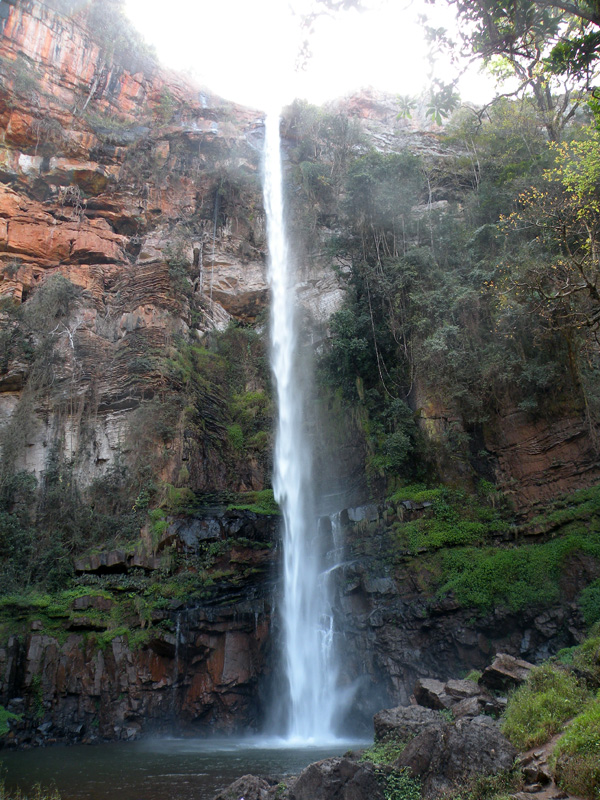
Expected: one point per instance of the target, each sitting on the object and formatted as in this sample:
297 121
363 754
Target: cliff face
143 193
135 409
139 648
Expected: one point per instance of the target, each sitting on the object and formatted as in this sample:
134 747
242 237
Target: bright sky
246 50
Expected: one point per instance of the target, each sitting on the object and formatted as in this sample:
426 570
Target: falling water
309 651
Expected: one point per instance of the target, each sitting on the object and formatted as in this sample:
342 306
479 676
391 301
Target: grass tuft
540 707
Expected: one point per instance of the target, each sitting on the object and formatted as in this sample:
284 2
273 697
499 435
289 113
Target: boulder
336 779
432 694
444 754
506 672
248 787
467 707
462 688
404 722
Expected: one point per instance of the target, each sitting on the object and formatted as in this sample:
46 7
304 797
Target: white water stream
309 640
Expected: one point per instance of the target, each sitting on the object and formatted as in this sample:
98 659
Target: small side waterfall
309 637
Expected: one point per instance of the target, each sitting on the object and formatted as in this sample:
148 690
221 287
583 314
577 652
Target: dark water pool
157 769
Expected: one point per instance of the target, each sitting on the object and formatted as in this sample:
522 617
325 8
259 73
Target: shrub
488 787
37 792
577 755
400 785
5 717
539 708
589 602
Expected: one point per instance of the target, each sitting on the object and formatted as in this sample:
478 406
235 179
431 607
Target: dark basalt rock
404 722
444 754
248 787
506 672
337 779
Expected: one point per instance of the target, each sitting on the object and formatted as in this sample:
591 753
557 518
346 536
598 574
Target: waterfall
308 630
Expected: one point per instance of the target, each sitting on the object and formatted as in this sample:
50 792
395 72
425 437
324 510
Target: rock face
248 787
395 636
182 669
121 178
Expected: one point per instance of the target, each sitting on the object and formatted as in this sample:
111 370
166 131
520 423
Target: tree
562 219
550 47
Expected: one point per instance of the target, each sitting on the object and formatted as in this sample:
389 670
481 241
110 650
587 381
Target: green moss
262 502
514 576
416 493
540 707
453 518
177 499
581 505
434 534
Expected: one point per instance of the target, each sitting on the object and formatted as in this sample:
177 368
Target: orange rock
19 131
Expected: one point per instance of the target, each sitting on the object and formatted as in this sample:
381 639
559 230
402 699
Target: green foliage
235 435
586 658
516 577
176 499
539 708
417 493
488 787
454 518
589 602
576 756
36 793
261 502
399 784
5 717
385 751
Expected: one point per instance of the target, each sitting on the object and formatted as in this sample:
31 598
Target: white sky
246 50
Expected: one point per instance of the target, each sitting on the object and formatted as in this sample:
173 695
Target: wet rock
444 754
505 672
363 513
337 779
97 603
248 787
404 722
